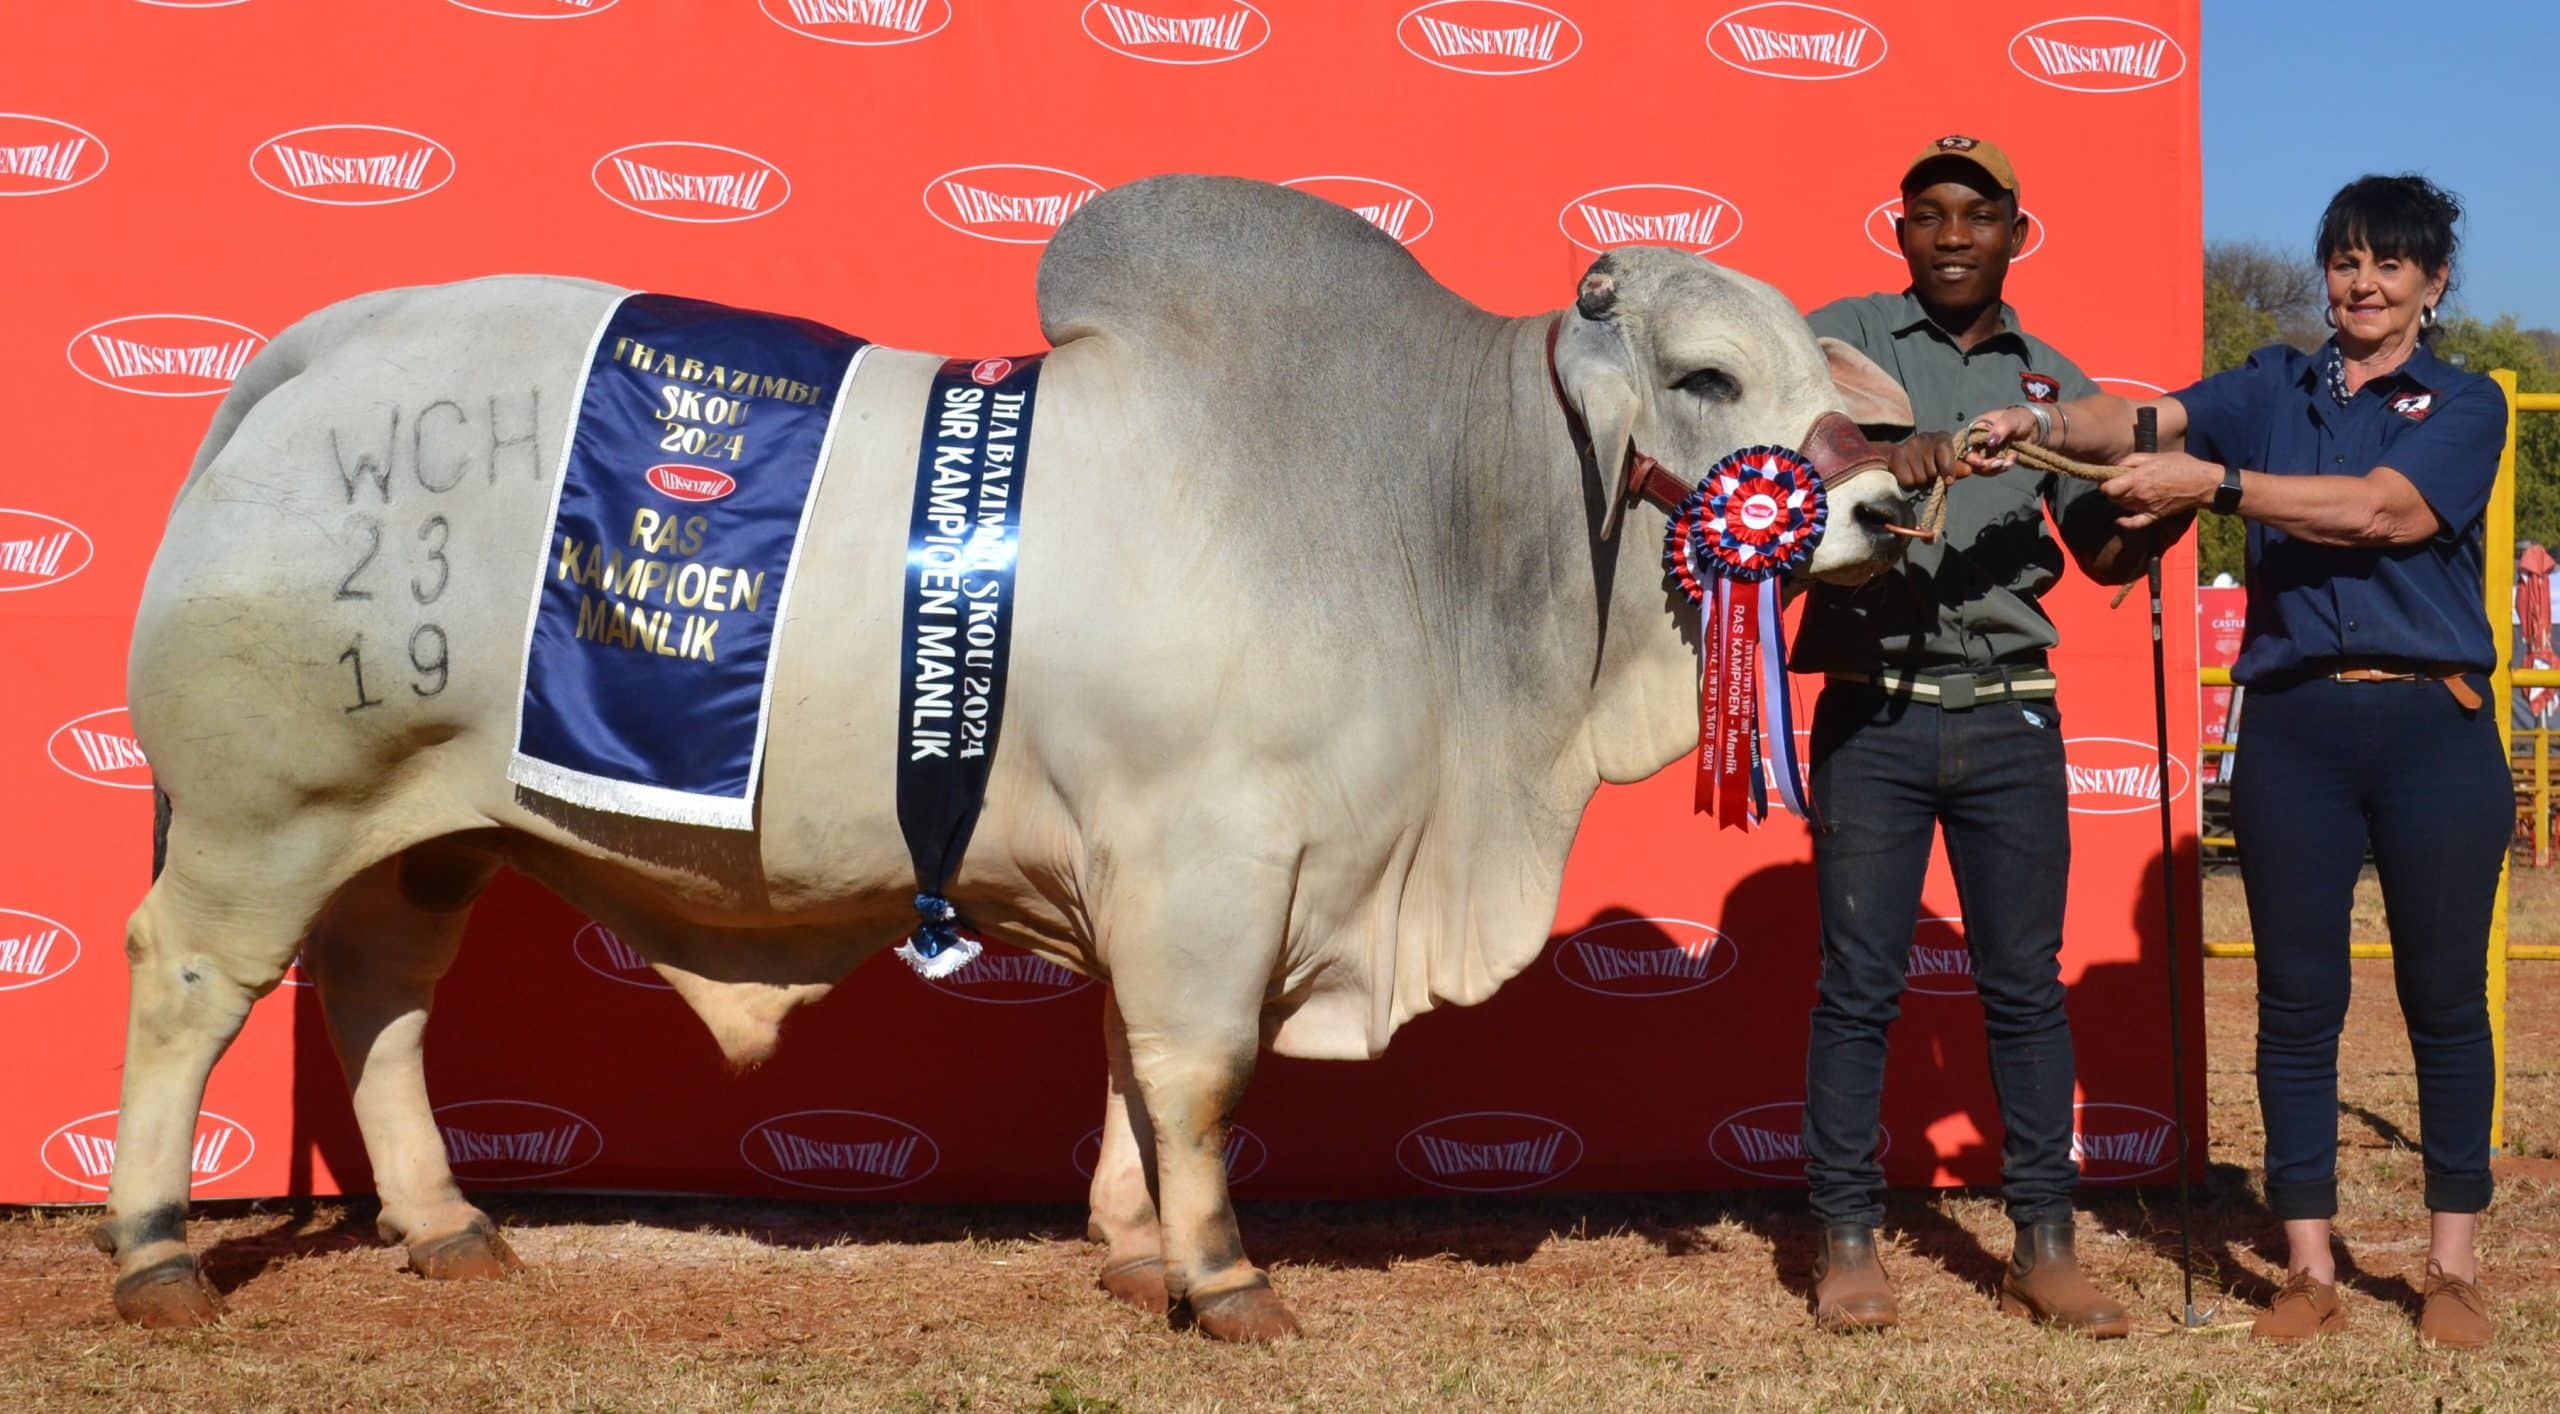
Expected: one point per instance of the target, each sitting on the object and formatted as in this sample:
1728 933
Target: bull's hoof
1251 1314
477 1253
1140 1282
167 1295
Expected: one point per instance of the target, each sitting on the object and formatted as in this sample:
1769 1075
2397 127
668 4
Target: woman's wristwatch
2226 497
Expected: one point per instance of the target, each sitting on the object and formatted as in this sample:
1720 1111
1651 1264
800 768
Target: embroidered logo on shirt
2039 388
2415 406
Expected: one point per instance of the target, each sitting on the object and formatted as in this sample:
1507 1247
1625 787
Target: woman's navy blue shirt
2438 426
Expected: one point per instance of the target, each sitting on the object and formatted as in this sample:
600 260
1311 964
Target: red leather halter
1835 446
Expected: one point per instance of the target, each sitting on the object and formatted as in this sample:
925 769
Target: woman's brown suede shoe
2456 1315
2303 1310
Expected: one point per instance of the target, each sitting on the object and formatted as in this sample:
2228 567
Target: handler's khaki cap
1972 151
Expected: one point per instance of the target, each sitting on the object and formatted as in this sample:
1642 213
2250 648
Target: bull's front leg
1190 995
1123 1204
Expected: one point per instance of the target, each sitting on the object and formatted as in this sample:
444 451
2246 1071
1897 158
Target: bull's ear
1871 396
1597 371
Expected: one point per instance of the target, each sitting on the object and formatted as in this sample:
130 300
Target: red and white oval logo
1008 976
2097 54
34 949
1393 209
40 156
990 371
1767 1141
511 1141
1497 37
99 748
2117 1143
83 1152
37 550
689 483
1941 961
839 1151
351 164
1650 213
2113 775
194 4
698 183
164 355
1645 957
1792 41
1880 233
1015 203
1489 1151
1245 1153
2134 388
1178 31
865 22
604 953
537 9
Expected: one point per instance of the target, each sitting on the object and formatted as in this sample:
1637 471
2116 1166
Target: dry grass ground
1659 1302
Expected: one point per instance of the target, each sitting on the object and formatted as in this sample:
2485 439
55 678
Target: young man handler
1938 711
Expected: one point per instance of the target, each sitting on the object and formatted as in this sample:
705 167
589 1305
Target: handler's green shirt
1968 600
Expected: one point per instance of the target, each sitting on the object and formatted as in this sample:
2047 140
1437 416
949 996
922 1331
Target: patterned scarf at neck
2334 373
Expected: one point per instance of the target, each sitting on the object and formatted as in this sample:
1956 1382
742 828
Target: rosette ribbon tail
1777 708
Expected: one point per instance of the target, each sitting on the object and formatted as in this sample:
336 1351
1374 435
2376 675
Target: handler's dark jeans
1886 775
2324 767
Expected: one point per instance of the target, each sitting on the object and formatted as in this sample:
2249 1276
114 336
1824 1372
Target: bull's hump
1183 255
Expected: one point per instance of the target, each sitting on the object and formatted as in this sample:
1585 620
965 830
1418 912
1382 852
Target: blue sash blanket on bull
695 450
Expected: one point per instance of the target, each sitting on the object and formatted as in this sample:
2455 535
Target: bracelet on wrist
2044 423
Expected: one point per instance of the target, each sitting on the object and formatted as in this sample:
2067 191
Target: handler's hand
2007 426
2152 486
1923 459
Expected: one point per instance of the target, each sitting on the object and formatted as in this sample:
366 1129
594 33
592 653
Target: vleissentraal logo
1402 215
1767 1141
1178 31
2097 54
511 1141
699 183
1489 1151
351 164
2113 775
1650 213
2119 1143
38 550
33 949
83 1152
1245 1153
1792 41
1015 203
601 951
537 9
1502 38
1008 976
869 23
40 156
99 748
1941 961
164 355
839 1151
1645 957
1880 233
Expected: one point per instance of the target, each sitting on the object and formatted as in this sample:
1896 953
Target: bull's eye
1713 384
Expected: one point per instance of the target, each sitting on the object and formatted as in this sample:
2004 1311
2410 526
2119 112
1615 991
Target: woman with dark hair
2364 470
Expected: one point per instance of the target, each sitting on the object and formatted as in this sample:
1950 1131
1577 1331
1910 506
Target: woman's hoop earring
2427 317
2329 315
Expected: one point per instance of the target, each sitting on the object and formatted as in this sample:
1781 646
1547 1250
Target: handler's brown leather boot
2456 1315
2044 1283
1850 1292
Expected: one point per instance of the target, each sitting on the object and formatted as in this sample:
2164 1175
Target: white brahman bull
1327 634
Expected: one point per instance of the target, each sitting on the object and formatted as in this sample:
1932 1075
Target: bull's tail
159 832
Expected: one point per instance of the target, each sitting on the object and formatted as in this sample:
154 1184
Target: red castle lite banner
182 179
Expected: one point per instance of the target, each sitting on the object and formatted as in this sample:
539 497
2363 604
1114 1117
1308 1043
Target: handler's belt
1957 692
2402 670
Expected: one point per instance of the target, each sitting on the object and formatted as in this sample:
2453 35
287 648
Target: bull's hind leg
386 938
215 933
1123 1196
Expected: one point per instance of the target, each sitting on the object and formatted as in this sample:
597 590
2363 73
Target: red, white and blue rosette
1752 518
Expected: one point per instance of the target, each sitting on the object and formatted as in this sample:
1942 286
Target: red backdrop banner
181 178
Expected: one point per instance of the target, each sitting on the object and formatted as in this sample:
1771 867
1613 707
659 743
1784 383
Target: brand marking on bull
83 1152
398 164
1796 41
2097 54
1499 38
891 21
34 949
188 346
842 1151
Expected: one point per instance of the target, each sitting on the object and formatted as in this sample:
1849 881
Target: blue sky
2300 98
